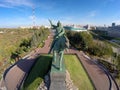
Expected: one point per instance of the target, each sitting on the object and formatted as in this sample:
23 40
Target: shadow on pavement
26 64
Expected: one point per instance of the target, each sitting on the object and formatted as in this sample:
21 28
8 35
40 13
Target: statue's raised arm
50 22
53 26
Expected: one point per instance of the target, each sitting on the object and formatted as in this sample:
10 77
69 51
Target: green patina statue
59 44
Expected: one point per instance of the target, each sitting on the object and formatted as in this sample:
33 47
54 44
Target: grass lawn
37 73
77 72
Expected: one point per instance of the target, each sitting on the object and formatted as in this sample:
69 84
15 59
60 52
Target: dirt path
15 75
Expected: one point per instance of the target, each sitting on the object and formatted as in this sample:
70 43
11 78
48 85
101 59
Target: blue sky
14 13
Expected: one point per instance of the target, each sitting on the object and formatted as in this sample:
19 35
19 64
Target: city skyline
16 13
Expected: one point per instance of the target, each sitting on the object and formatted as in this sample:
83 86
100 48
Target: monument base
57 77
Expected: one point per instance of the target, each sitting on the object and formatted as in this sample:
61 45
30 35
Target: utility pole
33 16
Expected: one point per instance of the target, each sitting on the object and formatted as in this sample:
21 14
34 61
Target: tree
100 49
80 40
84 41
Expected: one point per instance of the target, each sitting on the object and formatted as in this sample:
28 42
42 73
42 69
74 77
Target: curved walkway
17 73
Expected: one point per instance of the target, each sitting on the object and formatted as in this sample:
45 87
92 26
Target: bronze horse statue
59 44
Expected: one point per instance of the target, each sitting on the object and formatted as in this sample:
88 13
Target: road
16 74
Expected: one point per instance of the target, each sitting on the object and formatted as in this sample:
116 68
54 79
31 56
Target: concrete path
15 75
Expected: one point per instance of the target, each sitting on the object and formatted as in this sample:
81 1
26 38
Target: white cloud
116 21
4 5
92 13
27 3
13 3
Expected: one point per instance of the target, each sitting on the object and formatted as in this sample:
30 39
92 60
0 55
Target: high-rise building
113 24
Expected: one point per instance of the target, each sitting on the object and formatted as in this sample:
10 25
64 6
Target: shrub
84 41
80 40
100 49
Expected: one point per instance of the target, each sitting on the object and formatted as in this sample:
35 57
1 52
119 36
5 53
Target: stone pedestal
57 78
